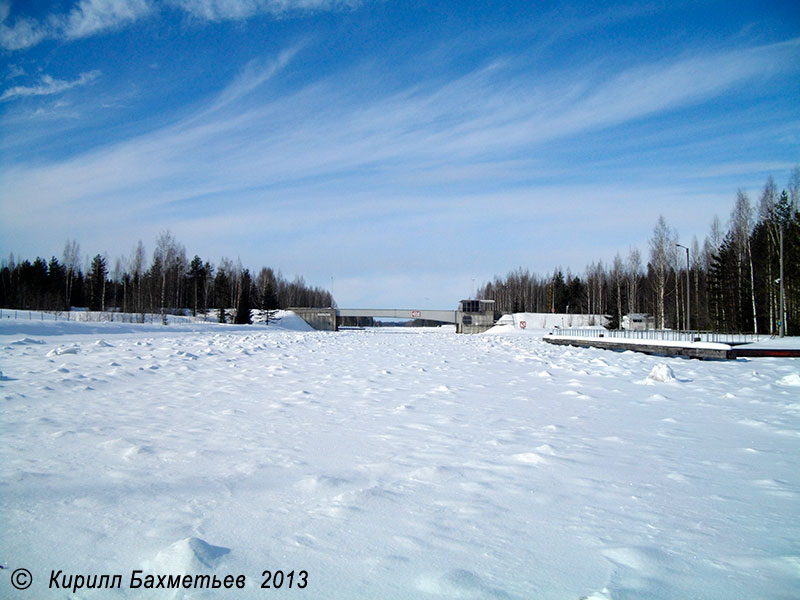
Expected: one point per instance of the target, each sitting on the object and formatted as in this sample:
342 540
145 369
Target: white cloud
327 131
254 74
24 33
92 17
89 17
649 89
220 10
15 71
48 86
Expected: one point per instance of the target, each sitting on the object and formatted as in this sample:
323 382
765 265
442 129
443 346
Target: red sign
523 324
415 314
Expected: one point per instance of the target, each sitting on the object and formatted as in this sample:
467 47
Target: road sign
523 324
416 314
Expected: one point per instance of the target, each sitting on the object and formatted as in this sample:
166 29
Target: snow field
396 464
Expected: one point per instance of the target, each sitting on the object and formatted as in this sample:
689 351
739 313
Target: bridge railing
671 335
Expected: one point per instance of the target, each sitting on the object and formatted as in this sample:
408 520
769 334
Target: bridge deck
444 316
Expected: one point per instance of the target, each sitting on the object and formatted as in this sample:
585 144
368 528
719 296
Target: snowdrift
539 322
386 465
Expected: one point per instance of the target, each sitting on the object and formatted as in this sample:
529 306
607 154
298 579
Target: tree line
733 282
733 276
168 283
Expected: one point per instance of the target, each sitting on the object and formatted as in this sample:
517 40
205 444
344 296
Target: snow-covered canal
393 465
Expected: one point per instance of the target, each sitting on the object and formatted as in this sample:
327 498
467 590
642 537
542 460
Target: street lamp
782 321
688 295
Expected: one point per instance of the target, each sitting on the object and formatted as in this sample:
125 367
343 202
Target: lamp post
782 321
688 295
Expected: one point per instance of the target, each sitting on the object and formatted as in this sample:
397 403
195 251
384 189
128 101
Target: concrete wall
323 319
474 322
618 344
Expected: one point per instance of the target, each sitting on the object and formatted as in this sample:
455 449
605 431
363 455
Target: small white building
638 322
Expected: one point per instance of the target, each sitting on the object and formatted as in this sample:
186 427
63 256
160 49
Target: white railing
671 335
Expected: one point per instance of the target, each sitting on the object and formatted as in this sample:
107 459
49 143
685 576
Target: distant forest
170 283
733 276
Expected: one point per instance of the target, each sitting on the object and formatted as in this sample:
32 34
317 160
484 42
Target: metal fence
671 335
85 316
82 316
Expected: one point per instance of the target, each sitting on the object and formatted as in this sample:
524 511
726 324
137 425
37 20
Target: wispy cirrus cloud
331 131
221 10
93 17
23 33
345 147
47 86
254 74
87 17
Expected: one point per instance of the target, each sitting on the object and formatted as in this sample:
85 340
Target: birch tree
634 275
72 256
661 249
767 216
138 259
617 277
794 189
741 230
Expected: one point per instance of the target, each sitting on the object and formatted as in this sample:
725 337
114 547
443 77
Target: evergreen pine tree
243 299
97 283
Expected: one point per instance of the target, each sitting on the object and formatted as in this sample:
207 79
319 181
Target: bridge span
443 316
472 316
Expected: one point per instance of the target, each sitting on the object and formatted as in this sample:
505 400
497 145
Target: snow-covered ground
536 321
393 464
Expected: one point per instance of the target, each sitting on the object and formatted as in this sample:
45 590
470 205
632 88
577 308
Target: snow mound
470 433
290 321
530 458
25 341
460 583
662 372
189 555
793 379
64 350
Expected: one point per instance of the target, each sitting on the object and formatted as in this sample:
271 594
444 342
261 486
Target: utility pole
783 301
688 295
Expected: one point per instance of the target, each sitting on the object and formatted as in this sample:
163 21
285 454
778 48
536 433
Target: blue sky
403 152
